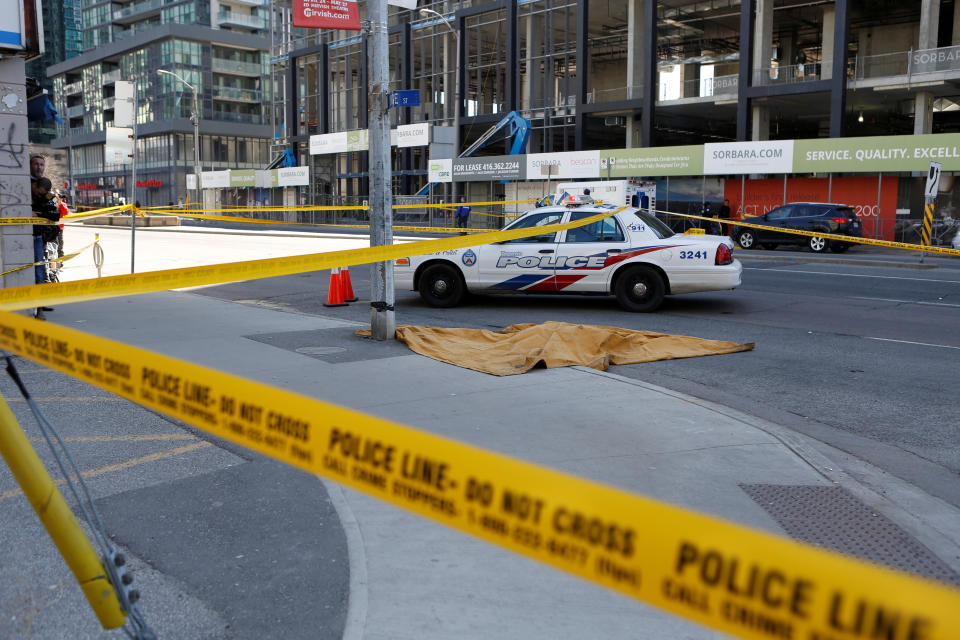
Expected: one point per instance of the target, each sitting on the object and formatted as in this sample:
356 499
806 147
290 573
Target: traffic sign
405 98
933 180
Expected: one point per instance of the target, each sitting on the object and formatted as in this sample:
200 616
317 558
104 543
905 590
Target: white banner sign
123 103
441 170
293 176
215 179
119 145
774 156
407 135
411 135
571 164
191 181
328 143
263 178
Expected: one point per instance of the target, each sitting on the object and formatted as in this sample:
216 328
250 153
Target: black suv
804 216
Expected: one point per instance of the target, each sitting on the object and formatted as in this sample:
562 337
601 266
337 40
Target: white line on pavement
922 344
851 275
934 304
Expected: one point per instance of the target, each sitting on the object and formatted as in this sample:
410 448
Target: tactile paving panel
831 517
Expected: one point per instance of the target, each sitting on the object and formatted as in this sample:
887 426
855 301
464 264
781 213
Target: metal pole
196 146
72 192
133 185
457 103
382 322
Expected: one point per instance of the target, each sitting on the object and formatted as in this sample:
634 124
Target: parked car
805 216
631 255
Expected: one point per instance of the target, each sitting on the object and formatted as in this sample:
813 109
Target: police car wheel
441 286
640 289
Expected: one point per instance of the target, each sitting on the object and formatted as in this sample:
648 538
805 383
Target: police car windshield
656 225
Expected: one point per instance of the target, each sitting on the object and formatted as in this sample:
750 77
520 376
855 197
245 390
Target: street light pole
426 13
195 118
382 321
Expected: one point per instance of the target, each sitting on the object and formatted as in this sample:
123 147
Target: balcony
231 116
791 74
236 67
73 87
108 103
111 76
237 95
617 94
137 11
245 20
246 3
76 111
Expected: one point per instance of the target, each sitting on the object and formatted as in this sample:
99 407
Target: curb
874 487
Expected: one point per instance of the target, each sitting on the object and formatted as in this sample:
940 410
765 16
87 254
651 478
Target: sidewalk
412 579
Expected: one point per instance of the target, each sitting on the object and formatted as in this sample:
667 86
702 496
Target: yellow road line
143 438
120 466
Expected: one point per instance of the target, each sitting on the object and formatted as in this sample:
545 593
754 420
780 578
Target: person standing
463 214
38 164
724 212
44 236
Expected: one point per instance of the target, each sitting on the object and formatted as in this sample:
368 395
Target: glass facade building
61 36
218 47
620 74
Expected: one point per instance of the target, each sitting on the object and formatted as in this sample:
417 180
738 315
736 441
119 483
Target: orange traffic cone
335 292
346 286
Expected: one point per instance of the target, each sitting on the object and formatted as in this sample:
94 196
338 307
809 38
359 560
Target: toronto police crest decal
469 258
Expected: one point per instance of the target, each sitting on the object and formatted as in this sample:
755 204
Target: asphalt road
861 356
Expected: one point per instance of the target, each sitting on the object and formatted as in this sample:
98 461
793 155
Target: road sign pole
382 321
930 193
926 230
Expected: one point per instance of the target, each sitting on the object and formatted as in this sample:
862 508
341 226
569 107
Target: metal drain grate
833 518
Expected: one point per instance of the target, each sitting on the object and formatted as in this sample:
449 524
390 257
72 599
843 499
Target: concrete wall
16 242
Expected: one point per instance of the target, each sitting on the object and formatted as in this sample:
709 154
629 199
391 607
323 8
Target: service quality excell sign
773 156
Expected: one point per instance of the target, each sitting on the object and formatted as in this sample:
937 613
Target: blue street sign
405 98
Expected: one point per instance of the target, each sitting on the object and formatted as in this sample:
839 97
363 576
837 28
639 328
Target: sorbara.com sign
774 156
327 14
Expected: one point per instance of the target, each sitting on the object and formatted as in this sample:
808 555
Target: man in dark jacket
43 206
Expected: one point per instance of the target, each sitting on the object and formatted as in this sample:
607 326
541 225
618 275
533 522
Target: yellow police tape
347 207
829 236
92 289
201 216
30 221
723 575
64 258
98 212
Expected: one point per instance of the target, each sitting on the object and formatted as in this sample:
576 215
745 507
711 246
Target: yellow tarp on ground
521 347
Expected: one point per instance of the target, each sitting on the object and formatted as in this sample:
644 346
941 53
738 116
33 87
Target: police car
632 255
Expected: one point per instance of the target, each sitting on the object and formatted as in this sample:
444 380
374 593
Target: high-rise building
219 47
661 79
61 35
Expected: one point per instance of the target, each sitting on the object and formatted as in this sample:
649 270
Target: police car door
522 264
583 253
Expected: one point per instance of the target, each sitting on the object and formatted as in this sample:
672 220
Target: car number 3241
693 255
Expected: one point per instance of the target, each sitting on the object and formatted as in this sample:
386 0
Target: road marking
850 275
120 466
73 399
922 344
934 304
145 438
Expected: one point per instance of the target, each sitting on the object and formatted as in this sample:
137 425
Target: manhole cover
319 351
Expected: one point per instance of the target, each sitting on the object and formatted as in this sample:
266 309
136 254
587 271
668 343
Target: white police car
632 255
